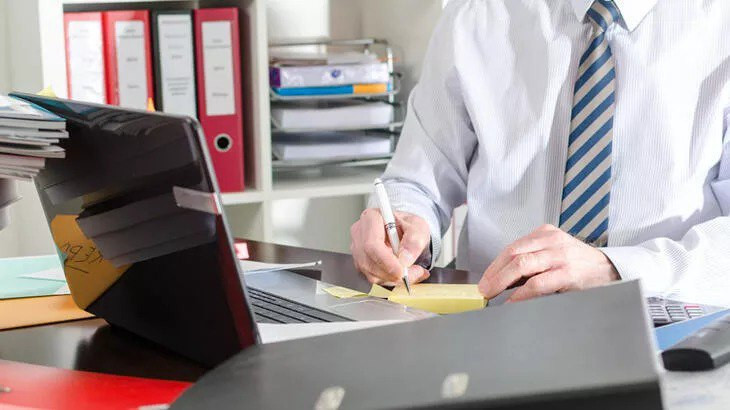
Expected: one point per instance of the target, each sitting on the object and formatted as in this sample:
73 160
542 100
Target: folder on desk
22 312
219 92
85 69
174 56
128 58
578 350
32 386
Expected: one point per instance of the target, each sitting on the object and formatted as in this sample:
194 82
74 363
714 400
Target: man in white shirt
587 138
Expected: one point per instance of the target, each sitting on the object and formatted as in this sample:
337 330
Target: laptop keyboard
268 308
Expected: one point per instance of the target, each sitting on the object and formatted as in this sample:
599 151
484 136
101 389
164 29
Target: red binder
41 387
85 68
219 92
128 58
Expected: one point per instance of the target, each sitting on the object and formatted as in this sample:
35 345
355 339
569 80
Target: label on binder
176 61
131 63
86 61
218 68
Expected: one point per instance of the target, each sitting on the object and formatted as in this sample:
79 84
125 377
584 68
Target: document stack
28 135
332 107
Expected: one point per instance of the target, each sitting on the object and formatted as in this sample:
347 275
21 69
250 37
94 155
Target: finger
524 265
540 285
372 225
417 274
378 258
543 237
414 241
381 262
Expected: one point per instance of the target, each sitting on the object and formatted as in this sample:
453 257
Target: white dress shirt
488 125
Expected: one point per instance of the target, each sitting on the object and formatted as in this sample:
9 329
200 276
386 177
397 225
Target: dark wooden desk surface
94 345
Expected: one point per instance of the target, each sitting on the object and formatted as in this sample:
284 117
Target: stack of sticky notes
438 298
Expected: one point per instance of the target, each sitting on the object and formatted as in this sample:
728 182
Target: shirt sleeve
701 256
428 173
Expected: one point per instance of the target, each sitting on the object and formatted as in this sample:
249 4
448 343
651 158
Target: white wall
23 46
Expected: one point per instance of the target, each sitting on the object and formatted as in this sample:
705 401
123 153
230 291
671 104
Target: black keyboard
268 308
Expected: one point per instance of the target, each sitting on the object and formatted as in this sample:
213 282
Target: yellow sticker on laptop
87 272
343 293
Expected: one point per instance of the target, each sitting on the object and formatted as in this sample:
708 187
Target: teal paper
13 286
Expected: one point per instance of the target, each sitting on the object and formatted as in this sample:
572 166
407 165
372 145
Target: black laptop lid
134 213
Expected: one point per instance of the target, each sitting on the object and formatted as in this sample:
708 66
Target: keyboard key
279 310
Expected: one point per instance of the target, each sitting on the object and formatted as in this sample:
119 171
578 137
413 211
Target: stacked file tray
336 107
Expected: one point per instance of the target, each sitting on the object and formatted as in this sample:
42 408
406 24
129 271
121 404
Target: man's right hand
373 255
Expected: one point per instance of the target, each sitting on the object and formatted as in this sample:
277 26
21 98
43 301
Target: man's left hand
551 261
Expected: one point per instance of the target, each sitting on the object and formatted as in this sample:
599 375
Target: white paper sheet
701 289
708 390
273 333
86 61
48 274
218 68
176 64
131 64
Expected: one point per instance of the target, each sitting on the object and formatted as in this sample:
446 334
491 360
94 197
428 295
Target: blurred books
28 135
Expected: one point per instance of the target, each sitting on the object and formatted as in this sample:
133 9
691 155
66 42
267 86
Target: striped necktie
587 184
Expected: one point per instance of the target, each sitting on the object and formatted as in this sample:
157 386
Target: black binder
160 103
578 350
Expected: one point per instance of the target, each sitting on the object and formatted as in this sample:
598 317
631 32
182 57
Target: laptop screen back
134 213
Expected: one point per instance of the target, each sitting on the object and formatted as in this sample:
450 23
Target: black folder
577 350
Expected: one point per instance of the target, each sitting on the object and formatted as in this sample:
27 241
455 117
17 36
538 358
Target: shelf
277 97
325 182
249 196
383 127
282 165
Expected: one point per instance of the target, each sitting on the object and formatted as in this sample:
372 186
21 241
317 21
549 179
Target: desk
93 345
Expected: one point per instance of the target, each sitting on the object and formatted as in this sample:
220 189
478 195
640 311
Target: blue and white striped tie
587 186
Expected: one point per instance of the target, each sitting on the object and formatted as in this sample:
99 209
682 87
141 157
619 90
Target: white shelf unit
265 210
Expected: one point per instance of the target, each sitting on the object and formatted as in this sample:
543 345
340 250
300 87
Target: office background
312 209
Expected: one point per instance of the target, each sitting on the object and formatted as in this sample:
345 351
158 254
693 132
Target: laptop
135 212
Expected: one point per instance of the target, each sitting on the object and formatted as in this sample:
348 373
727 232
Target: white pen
390 227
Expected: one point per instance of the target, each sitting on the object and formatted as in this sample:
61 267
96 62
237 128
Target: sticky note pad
440 297
378 291
343 293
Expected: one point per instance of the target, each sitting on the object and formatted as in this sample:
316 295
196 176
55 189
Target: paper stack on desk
28 135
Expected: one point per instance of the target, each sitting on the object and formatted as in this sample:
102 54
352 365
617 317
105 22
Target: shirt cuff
636 262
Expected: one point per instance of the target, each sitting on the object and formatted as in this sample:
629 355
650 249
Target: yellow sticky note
378 291
343 293
87 272
440 297
47 92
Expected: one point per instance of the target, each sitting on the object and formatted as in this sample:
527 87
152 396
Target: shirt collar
632 11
